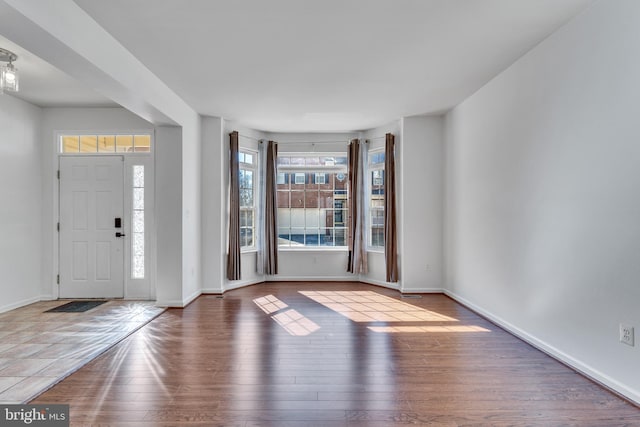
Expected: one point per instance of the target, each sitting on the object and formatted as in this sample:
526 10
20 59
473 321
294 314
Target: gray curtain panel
357 261
233 257
271 212
390 235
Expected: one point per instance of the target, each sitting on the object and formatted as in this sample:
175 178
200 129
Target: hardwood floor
330 354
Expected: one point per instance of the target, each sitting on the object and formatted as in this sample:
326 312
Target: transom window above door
105 144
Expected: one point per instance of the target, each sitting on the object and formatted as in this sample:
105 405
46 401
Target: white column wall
542 185
214 165
21 195
421 156
169 220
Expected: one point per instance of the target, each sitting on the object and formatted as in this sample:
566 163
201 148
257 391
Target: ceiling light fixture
8 73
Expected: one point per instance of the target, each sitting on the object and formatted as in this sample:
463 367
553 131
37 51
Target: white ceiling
44 85
302 65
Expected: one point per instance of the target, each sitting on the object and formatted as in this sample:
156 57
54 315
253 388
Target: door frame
135 289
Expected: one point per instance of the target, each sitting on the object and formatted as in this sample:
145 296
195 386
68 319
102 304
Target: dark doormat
75 307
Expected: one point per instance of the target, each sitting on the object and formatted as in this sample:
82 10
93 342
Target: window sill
375 250
248 251
313 249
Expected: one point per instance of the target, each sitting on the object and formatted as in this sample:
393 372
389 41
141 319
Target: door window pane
137 221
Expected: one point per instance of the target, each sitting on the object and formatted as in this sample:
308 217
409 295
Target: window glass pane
283 199
246 237
296 218
312 237
88 144
339 237
311 199
138 198
142 143
377 227
246 179
246 218
312 218
341 160
246 198
327 161
138 176
325 199
312 202
327 237
297 199
283 161
377 178
283 236
138 221
106 143
376 158
297 236
124 143
70 144
137 268
311 161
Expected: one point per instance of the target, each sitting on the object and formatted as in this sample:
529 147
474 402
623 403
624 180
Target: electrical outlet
626 334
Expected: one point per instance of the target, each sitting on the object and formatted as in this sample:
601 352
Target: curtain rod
293 142
311 142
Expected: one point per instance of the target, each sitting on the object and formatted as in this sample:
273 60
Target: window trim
371 167
254 167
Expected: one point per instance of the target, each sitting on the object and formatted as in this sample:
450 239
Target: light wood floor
330 354
37 348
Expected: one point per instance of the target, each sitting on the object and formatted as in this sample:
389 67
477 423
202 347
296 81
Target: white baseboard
278 278
186 301
421 290
576 364
18 304
241 284
170 303
381 283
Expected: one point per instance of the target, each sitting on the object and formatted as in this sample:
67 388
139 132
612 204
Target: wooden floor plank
232 362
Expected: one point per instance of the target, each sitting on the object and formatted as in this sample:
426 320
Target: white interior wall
214 165
21 193
421 156
191 178
542 207
170 270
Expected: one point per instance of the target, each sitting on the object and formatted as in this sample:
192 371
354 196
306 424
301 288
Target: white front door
91 243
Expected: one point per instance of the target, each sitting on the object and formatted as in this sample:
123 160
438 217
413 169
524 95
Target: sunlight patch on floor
290 320
295 323
414 329
368 306
270 304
